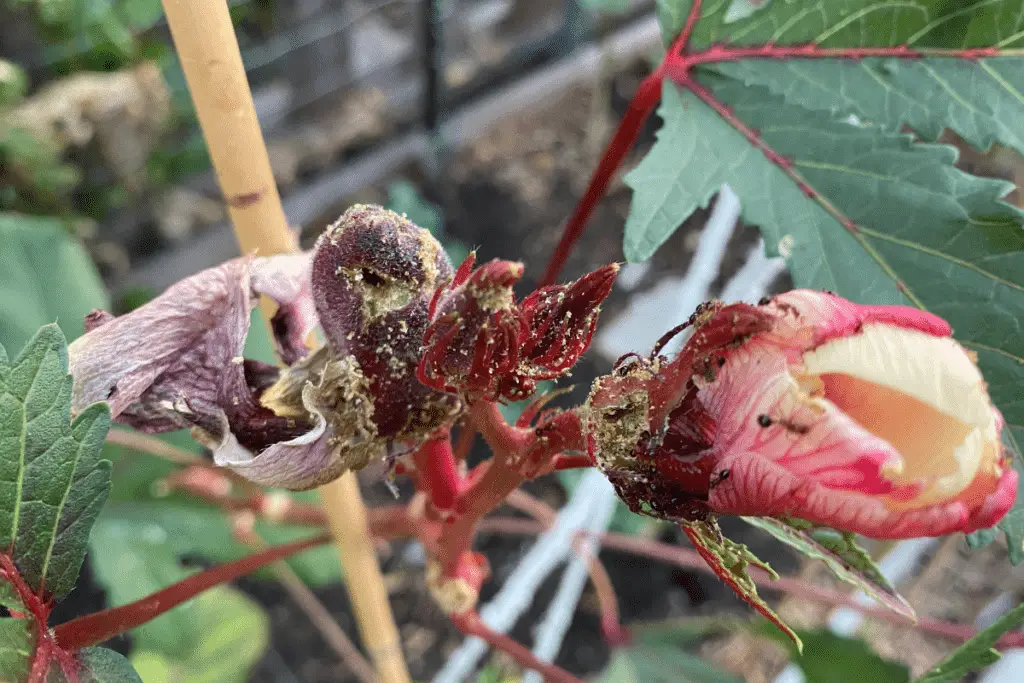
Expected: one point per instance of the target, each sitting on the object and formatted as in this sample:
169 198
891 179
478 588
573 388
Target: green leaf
215 637
861 23
494 673
671 17
741 9
979 99
141 15
13 83
1012 524
101 665
15 649
52 480
605 6
665 664
828 658
729 560
405 199
194 528
9 597
976 653
233 635
841 554
45 276
685 631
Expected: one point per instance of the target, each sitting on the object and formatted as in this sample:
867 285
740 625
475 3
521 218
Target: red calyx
481 343
473 338
561 320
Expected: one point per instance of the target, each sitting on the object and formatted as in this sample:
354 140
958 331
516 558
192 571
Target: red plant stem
471 625
571 461
272 506
536 508
393 522
435 466
38 608
464 442
644 100
485 492
504 439
484 496
95 628
678 66
680 43
604 589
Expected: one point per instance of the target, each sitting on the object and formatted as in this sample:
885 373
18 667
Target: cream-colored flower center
923 395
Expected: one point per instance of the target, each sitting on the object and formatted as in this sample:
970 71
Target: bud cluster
482 344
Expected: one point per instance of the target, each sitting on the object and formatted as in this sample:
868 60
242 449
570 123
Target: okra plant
880 398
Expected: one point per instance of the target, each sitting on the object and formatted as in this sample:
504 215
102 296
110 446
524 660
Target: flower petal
286 280
152 364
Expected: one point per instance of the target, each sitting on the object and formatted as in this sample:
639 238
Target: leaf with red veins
729 560
472 342
374 276
176 363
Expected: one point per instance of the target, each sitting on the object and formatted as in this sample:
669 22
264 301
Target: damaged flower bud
559 323
374 274
482 344
473 339
870 419
561 320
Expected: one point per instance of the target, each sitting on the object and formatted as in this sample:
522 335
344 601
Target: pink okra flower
870 419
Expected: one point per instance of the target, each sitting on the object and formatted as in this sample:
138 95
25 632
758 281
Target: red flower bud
473 340
482 344
561 320
374 273
869 419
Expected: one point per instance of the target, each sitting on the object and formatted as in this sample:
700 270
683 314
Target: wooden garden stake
208 49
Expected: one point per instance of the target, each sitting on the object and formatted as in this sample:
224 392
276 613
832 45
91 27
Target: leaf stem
435 466
94 628
471 624
644 100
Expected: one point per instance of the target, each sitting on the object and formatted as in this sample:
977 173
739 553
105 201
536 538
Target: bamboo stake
208 49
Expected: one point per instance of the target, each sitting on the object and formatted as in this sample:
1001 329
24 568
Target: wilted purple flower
177 362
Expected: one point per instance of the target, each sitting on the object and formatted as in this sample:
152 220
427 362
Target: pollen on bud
560 321
473 338
374 274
